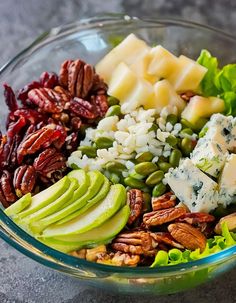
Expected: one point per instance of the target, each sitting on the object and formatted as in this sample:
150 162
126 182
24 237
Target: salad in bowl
127 163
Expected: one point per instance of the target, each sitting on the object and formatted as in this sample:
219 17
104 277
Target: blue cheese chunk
221 129
210 157
227 182
192 187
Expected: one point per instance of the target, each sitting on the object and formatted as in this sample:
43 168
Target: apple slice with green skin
83 180
99 235
101 194
46 197
53 207
93 217
96 180
19 205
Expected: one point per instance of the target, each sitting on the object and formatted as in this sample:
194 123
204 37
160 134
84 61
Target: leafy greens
219 82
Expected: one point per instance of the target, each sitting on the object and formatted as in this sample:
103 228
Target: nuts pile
47 126
166 226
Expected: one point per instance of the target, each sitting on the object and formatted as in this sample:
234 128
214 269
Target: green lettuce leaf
225 80
230 102
208 86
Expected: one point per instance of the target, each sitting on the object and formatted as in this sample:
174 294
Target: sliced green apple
19 205
54 206
96 180
101 234
46 197
93 217
101 194
83 180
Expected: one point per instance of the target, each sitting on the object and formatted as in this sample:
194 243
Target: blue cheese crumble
192 187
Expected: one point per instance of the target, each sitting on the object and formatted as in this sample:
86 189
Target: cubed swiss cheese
192 187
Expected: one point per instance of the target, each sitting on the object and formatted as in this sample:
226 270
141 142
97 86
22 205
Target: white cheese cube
188 75
227 182
192 187
221 129
210 157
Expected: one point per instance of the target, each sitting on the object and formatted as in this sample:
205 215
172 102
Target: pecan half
166 238
135 202
189 236
7 193
118 259
48 100
100 103
135 242
83 108
160 217
63 75
167 200
48 80
50 164
195 218
35 141
24 180
23 93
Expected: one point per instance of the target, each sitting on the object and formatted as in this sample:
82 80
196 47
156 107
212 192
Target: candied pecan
160 217
166 238
64 95
12 159
24 179
80 78
35 141
48 100
118 259
48 80
82 108
135 242
63 75
187 95
10 98
75 123
167 200
189 236
50 164
195 218
23 93
92 254
100 103
135 202
7 193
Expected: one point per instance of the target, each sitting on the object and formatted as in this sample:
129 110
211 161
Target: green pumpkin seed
155 178
186 124
172 140
114 110
159 190
173 119
175 157
187 146
104 142
115 167
164 166
154 127
134 183
145 168
200 124
186 131
203 132
89 151
112 101
144 157
136 176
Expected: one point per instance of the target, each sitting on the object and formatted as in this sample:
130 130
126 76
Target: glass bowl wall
89 40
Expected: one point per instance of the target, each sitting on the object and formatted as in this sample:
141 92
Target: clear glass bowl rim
52 258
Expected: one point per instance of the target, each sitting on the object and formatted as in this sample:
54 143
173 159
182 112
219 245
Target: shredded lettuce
219 82
176 256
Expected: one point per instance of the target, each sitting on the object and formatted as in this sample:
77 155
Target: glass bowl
90 39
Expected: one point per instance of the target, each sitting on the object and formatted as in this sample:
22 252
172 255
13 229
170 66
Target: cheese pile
139 75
